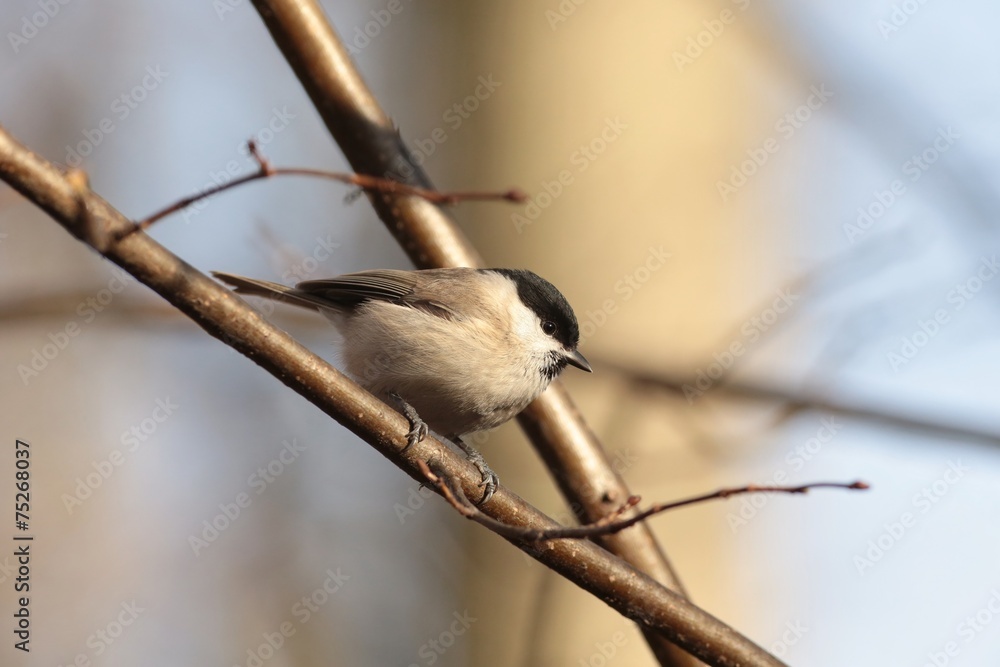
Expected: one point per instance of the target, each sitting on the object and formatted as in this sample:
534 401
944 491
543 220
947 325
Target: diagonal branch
372 145
226 317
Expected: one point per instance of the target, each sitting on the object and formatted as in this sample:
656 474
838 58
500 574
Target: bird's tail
274 291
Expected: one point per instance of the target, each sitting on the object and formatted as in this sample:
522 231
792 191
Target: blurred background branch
790 399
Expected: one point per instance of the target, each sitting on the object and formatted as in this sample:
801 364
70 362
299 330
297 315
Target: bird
455 350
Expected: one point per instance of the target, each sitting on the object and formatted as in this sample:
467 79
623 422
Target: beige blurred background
696 172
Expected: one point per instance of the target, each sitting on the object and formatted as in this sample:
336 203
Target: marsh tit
455 350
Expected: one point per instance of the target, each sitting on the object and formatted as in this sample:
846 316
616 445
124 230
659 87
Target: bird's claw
418 432
489 483
418 427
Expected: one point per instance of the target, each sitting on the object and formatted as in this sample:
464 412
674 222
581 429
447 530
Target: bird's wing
269 290
402 287
381 285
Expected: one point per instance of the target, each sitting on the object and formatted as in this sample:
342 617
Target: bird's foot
490 481
418 427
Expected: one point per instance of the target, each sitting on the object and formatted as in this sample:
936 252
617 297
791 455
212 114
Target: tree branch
611 523
226 317
372 145
371 184
796 399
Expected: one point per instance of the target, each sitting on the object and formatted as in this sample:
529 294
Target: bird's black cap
547 302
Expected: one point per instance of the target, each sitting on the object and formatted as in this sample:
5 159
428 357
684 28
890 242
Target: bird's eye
548 328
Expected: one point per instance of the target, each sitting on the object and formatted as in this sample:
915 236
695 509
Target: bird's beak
574 358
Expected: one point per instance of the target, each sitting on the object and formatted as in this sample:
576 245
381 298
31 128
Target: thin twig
595 529
456 497
367 184
611 523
